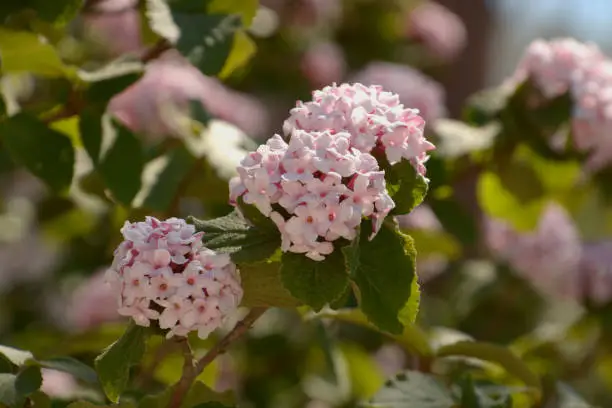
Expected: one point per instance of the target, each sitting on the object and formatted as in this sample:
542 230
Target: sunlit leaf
22 51
113 365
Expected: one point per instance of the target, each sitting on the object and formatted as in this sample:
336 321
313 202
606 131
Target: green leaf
87 404
22 51
72 366
415 390
206 40
199 393
212 405
413 339
263 287
383 270
406 187
109 81
8 391
40 400
90 129
122 164
243 48
16 356
513 201
28 380
316 283
455 219
232 234
246 8
167 184
495 354
48 154
410 311
113 365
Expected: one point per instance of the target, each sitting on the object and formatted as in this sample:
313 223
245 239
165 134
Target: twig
190 372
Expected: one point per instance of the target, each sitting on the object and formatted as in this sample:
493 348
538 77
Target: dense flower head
162 272
368 118
554 65
414 89
440 30
316 188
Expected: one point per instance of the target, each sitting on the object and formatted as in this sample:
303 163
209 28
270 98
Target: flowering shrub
372 252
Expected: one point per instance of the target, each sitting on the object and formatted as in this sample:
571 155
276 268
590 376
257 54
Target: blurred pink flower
548 257
391 359
414 89
92 303
153 105
110 6
596 270
323 64
440 30
114 26
421 218
58 384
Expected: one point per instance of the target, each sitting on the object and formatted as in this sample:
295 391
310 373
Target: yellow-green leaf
21 51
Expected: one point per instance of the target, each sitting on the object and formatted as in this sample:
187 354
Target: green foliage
232 234
46 153
496 354
113 365
413 389
383 270
263 286
26 52
316 283
179 162
406 187
72 366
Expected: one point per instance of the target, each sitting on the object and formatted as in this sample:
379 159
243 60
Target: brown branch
190 372
155 51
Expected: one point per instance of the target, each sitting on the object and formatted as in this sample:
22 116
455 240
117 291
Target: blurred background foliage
101 122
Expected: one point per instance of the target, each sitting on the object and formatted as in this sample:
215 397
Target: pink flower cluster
556 65
553 258
566 65
162 272
370 117
319 185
